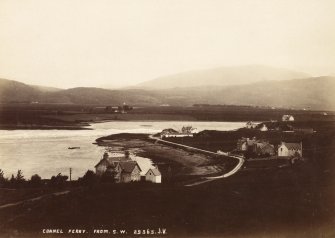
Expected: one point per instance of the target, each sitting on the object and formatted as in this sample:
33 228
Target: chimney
126 154
105 156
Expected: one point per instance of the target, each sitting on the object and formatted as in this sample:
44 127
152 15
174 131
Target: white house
186 131
264 128
290 149
153 175
251 125
287 118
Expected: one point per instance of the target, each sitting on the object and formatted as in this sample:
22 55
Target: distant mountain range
222 76
311 92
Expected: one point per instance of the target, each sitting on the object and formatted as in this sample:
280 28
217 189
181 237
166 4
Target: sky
115 43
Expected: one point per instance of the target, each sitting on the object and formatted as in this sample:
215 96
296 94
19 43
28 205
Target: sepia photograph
167 118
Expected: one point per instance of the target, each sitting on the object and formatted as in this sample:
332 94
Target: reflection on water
46 152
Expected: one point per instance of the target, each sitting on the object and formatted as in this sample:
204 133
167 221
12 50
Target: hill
223 76
13 91
85 95
312 93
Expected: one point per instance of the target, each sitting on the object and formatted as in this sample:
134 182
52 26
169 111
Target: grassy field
291 202
35 116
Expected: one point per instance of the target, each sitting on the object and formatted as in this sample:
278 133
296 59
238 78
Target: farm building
289 149
304 130
244 143
251 125
153 175
287 118
258 147
264 128
264 148
186 131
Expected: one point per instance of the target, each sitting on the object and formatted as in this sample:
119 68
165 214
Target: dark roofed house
124 169
130 171
264 148
245 144
106 162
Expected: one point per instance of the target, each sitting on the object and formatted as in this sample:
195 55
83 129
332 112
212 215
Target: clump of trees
3 180
14 181
90 178
36 181
58 181
19 181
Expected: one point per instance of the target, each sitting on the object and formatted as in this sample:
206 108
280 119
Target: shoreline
177 165
43 127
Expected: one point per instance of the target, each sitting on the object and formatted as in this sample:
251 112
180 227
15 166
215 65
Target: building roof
169 130
112 160
262 145
155 171
129 166
293 146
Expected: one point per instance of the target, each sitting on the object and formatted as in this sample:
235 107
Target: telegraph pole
70 174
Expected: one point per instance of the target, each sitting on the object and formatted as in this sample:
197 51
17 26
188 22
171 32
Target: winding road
206 179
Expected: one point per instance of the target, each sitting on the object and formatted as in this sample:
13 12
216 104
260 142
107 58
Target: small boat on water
75 147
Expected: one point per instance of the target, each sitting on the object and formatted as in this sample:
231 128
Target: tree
19 176
108 176
35 180
12 179
58 180
1 174
3 180
89 178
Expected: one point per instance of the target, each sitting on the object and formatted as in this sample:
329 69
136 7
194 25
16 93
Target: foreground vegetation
290 201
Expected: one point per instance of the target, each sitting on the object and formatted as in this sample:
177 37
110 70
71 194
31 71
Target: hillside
223 76
13 91
312 93
84 95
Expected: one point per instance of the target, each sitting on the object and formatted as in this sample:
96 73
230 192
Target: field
281 203
71 116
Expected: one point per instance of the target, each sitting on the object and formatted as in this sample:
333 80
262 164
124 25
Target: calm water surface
46 152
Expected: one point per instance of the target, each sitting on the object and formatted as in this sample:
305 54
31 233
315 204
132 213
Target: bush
35 181
108 177
58 181
89 178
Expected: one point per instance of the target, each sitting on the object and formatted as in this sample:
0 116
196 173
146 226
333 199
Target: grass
267 202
